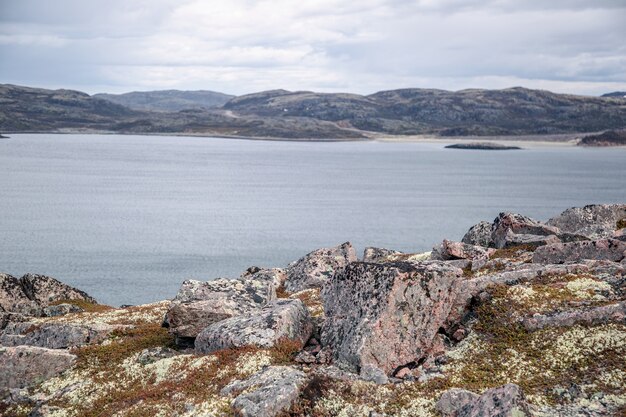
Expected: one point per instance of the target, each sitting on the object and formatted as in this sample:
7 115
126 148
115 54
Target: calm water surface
128 218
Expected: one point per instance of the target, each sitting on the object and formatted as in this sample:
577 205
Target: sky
364 46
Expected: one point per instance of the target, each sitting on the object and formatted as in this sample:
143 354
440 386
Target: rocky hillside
608 138
168 100
519 318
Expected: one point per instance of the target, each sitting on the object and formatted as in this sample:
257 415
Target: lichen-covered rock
45 290
60 310
200 304
479 235
604 249
152 355
314 269
505 401
372 254
267 393
276 276
506 225
533 241
457 250
453 400
587 316
14 299
386 316
54 335
283 319
22 366
595 221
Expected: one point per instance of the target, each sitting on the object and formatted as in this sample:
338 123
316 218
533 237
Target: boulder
275 276
283 319
589 316
314 269
45 290
200 304
453 400
22 366
14 299
505 401
54 335
386 316
508 224
457 250
371 254
60 310
267 393
604 249
527 240
595 221
479 235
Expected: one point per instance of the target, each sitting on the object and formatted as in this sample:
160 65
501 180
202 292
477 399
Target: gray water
128 218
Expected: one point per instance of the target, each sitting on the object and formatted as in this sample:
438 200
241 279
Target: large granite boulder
372 254
200 304
507 225
383 317
283 319
314 269
22 366
603 249
54 335
267 393
595 221
479 235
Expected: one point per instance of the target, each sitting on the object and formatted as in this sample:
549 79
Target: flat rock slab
267 393
314 269
589 316
603 249
382 317
22 366
200 304
54 335
284 319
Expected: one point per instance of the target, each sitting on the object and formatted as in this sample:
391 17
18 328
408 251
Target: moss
85 305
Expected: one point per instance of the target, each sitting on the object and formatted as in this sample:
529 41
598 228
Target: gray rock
282 319
479 235
386 316
54 335
453 400
200 304
267 393
508 224
276 276
604 249
60 310
13 298
151 355
22 366
505 401
45 290
450 250
534 241
590 316
371 254
595 221
314 269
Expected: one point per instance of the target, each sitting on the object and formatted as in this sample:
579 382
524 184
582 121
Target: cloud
242 46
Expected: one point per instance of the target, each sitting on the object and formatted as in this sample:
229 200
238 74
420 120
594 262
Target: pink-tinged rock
604 249
372 254
534 241
314 269
595 221
615 313
22 366
454 400
200 304
381 317
479 235
283 319
508 224
457 250
505 401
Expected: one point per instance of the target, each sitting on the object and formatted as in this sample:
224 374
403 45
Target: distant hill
168 100
608 138
305 114
618 94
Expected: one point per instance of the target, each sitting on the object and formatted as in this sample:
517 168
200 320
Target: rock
508 224
14 299
283 319
505 401
453 400
200 304
458 250
45 290
60 310
305 357
604 249
314 269
267 393
371 254
595 221
276 276
533 241
479 235
386 316
54 335
591 317
484 146
151 355
22 366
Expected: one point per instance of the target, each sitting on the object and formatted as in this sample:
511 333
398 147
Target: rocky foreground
519 318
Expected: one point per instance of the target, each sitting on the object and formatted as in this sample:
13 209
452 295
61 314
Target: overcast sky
361 46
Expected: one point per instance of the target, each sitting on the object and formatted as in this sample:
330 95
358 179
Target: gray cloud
241 46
